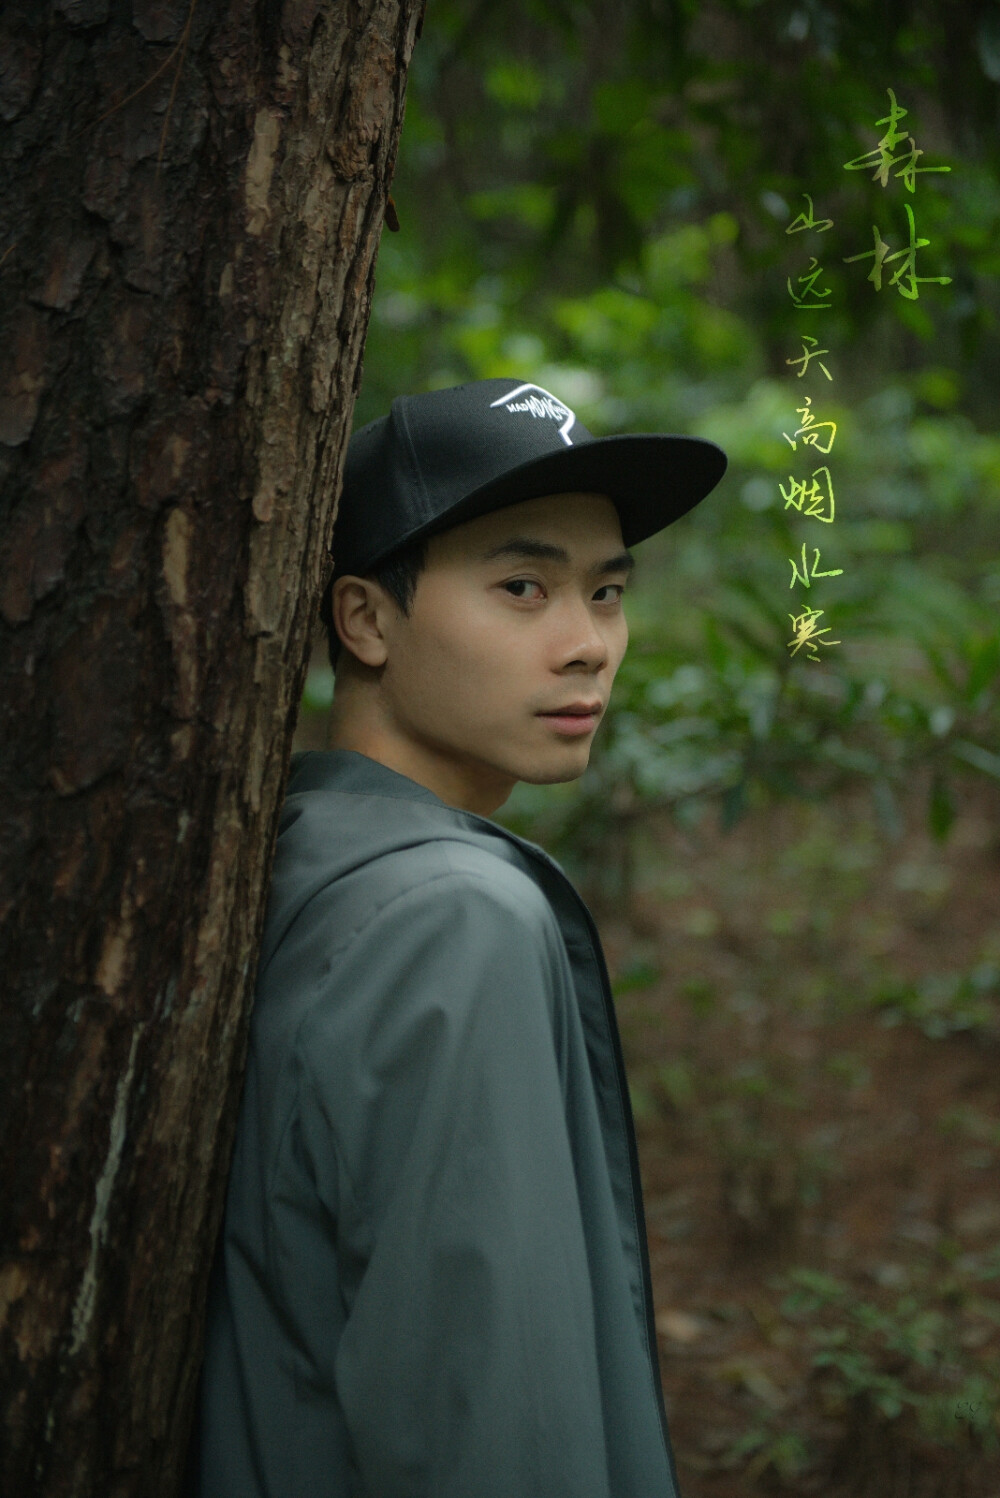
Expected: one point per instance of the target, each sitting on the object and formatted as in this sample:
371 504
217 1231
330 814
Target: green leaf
978 757
734 806
635 978
677 1080
984 665
941 808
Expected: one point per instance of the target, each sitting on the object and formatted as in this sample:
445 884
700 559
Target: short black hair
397 574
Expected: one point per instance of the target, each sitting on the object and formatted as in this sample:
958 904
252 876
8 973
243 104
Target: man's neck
460 783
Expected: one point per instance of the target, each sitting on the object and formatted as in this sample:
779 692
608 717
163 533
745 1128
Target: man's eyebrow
545 551
623 562
527 546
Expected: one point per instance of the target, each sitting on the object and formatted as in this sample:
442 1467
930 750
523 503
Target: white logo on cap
539 402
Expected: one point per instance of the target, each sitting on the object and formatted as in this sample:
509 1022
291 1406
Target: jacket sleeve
434 1122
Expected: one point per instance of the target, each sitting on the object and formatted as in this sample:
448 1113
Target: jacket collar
347 770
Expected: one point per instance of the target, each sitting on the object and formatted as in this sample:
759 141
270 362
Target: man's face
504 666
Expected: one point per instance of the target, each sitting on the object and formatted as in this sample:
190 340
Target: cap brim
651 478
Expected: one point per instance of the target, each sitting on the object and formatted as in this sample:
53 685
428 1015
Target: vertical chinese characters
881 159
810 492
810 495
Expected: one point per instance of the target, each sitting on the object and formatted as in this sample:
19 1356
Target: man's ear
359 607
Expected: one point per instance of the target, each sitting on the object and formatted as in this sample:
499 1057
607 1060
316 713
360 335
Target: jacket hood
327 829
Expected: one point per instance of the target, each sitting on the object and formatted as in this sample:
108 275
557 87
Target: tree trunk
193 193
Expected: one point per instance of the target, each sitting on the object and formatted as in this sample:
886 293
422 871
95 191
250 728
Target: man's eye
518 588
617 596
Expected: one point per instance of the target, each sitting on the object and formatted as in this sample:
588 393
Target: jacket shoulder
340 862
445 879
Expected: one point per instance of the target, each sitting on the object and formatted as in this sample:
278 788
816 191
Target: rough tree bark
193 193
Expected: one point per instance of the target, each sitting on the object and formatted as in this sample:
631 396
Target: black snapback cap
445 457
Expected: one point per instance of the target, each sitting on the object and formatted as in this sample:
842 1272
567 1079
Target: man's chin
571 768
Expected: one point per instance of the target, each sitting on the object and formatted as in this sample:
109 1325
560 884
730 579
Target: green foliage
946 1004
911 1355
766 1447
639 976
597 196
710 710
553 151
676 1079
318 693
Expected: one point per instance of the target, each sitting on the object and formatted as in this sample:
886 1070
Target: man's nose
581 641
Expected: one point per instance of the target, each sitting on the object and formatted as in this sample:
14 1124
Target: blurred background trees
795 861
597 196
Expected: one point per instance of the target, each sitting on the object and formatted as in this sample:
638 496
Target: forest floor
810 1011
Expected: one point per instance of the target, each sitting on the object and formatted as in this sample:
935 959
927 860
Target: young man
432 1279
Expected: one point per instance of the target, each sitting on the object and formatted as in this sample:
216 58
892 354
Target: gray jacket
432 1280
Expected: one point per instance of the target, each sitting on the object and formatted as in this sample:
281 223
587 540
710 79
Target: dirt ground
811 1019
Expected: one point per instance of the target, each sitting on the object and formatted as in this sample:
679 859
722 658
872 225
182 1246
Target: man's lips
574 710
576 718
